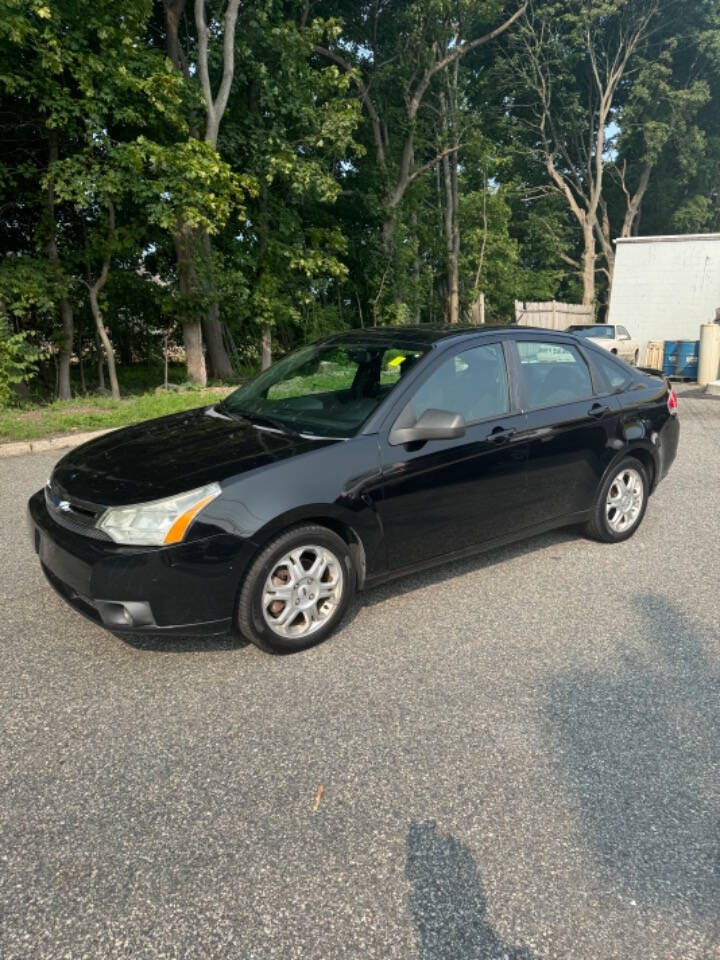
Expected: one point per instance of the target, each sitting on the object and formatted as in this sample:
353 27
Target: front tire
297 590
621 503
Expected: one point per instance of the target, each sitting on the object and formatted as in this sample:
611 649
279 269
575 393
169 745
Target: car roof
588 326
429 336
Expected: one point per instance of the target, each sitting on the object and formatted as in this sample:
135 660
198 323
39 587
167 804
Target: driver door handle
598 410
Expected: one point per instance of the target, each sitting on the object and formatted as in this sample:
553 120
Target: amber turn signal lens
178 529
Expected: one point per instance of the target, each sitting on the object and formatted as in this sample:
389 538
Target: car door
569 424
441 497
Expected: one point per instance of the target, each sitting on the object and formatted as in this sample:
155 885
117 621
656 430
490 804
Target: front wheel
620 504
297 591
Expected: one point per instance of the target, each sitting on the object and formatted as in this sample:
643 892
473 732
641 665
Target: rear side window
472 383
553 373
614 377
622 332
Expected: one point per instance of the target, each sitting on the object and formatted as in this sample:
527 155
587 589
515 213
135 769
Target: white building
665 287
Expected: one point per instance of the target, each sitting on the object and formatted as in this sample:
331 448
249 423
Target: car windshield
600 330
326 389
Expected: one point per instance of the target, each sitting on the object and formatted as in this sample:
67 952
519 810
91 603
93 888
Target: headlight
157 522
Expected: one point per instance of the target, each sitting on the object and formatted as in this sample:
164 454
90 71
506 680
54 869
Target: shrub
17 362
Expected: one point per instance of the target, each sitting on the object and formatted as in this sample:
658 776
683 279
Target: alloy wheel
302 591
625 500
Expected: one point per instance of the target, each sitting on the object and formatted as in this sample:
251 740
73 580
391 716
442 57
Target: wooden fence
552 315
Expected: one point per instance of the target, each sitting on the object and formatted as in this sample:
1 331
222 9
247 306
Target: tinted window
598 330
473 384
328 388
613 374
553 373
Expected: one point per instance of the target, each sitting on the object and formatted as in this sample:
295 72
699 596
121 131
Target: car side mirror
431 425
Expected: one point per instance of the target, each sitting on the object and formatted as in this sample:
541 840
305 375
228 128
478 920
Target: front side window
326 389
553 373
622 332
472 383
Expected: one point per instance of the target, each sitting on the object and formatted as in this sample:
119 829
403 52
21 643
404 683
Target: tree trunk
266 348
194 356
192 329
94 293
104 338
100 362
454 264
68 329
416 265
81 364
219 363
182 241
450 172
477 313
588 264
64 390
218 359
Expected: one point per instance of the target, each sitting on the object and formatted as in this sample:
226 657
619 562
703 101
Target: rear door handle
598 410
501 434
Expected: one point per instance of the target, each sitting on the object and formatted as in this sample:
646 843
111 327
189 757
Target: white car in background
612 337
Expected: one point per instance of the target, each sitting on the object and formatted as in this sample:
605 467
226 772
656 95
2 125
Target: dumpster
687 359
670 357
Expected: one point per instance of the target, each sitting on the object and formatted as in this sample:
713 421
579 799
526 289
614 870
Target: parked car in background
612 337
351 461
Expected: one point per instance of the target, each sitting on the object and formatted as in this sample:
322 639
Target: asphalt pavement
519 758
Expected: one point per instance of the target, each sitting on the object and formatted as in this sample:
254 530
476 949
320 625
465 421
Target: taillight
672 402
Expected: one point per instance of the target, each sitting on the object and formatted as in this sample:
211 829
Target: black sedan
359 458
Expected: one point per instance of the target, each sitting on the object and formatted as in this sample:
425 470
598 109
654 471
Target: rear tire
620 503
636 358
297 590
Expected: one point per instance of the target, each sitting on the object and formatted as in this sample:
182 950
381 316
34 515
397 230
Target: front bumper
186 589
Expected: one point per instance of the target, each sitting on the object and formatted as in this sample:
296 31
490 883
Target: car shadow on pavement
179 644
447 900
639 746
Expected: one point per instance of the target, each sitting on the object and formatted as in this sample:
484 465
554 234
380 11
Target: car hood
172 454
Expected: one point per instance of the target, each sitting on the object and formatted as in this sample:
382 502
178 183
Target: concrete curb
66 442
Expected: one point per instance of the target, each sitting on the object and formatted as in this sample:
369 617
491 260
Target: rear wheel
297 590
636 358
621 503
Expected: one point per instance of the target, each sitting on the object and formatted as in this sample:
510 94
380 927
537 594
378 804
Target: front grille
78 516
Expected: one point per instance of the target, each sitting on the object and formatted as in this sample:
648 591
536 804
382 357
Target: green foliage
287 224
26 289
17 362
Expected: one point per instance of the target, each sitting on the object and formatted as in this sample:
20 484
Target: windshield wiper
261 419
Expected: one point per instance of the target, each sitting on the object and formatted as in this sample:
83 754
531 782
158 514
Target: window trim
572 345
402 401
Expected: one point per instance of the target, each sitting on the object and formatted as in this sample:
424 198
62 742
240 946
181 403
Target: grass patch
98 413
